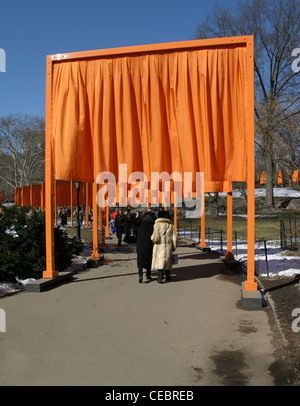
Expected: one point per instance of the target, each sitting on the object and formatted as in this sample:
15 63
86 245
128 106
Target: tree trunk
269 199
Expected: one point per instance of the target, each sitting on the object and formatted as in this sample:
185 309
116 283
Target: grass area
85 233
265 227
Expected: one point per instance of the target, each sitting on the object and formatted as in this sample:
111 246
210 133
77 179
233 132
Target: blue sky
32 29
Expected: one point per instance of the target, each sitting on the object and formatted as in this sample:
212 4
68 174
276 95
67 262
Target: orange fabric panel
295 176
63 194
82 200
36 195
263 177
166 111
214 187
90 194
72 148
18 191
43 194
280 177
26 195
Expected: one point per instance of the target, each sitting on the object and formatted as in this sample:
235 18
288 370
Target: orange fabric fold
263 177
36 190
63 194
295 176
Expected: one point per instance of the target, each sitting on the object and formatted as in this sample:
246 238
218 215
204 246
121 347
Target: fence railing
210 235
289 233
217 239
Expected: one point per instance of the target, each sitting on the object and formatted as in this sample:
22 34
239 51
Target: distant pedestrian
63 216
165 242
112 225
90 218
144 224
120 223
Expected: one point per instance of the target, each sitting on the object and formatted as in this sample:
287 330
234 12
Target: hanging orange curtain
295 176
18 191
26 195
166 111
263 177
36 195
62 193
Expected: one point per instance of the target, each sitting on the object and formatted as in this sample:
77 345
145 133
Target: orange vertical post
50 271
229 255
95 253
101 214
250 284
202 242
107 221
149 197
55 203
71 201
31 199
175 218
87 205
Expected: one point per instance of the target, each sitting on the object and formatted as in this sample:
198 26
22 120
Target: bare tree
22 148
288 154
275 25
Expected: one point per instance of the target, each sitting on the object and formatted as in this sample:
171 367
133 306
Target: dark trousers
160 274
148 274
119 232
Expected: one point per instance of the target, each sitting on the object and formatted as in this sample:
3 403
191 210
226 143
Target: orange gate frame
248 43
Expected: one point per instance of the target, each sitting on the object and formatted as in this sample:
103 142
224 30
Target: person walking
165 242
144 224
120 222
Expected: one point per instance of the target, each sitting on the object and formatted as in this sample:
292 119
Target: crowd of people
155 237
155 240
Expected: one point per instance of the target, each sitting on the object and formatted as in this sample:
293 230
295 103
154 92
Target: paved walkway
104 328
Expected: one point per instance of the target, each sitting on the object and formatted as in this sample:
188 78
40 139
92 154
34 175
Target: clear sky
32 29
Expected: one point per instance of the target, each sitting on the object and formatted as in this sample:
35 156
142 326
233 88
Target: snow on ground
261 192
279 192
276 262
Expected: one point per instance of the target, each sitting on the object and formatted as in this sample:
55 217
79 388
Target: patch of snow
261 192
279 264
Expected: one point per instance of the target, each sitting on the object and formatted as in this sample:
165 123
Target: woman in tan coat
165 242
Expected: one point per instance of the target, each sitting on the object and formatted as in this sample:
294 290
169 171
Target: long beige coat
165 242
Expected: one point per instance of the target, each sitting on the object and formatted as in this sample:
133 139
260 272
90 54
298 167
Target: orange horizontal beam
137 49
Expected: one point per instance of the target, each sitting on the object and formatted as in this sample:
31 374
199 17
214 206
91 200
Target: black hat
164 214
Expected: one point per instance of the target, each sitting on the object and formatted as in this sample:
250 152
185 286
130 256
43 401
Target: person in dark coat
120 222
144 224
